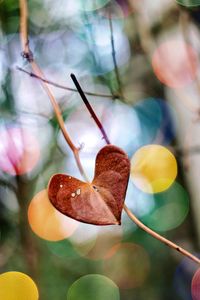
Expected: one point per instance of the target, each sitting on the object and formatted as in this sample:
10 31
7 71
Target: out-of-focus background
141 59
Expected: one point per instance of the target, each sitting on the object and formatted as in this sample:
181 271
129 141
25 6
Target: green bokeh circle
93 287
170 210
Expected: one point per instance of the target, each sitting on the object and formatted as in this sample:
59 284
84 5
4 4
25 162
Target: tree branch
160 237
28 55
63 86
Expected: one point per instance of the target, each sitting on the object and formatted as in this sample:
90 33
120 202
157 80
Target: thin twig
114 56
129 213
63 87
89 107
159 237
38 72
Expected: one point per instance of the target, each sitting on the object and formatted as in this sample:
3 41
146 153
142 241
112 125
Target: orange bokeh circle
46 221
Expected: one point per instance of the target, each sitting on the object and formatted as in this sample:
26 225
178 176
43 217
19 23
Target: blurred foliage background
141 59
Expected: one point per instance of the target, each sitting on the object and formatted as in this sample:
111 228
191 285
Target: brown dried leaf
99 202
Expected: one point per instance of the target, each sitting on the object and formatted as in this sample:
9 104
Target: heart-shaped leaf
99 202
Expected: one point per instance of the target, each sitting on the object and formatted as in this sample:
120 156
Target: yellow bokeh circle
153 168
16 285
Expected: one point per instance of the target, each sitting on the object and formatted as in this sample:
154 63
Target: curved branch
38 72
159 237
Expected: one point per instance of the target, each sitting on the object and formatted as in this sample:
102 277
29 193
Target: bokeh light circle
17 285
84 238
157 122
107 237
46 221
100 45
175 63
153 168
62 249
127 264
93 242
93 286
122 131
19 150
189 3
195 287
170 208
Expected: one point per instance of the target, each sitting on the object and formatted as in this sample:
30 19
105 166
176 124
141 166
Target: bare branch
63 86
28 55
160 237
